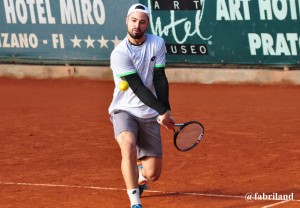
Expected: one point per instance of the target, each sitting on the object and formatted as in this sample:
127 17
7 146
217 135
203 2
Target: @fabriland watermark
273 196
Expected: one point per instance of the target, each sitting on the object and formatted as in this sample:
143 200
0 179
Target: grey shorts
146 130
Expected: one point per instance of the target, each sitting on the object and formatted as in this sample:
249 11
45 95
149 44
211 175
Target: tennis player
140 60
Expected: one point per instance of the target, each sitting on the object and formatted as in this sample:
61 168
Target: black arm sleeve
144 94
161 86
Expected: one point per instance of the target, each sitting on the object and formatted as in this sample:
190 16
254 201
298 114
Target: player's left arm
161 85
160 80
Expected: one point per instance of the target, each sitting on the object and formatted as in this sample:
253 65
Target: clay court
57 146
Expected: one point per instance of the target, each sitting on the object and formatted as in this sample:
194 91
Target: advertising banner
195 31
228 31
61 31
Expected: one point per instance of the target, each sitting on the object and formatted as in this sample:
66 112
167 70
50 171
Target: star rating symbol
103 42
76 42
90 42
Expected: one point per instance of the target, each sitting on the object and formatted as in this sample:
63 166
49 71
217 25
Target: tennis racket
188 135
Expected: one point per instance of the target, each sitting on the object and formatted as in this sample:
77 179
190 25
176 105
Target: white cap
138 8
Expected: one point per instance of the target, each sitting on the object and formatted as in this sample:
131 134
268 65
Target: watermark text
249 197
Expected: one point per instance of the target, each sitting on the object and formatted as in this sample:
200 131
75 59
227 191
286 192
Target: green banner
196 31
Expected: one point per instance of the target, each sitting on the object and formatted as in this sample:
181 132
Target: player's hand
166 120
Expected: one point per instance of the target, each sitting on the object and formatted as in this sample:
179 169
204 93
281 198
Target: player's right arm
144 94
147 97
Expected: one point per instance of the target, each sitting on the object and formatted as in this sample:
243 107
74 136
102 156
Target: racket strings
188 136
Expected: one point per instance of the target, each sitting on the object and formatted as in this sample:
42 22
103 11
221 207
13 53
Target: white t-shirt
128 59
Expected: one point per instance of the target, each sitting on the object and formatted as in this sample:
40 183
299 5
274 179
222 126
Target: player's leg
149 148
125 130
151 168
126 141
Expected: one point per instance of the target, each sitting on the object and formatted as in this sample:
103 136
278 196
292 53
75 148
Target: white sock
134 196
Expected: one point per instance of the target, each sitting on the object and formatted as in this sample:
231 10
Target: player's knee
153 175
127 144
128 150
153 178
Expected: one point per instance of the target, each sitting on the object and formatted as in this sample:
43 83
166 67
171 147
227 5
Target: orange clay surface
57 146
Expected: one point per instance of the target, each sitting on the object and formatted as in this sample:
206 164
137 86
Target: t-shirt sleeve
121 64
161 55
